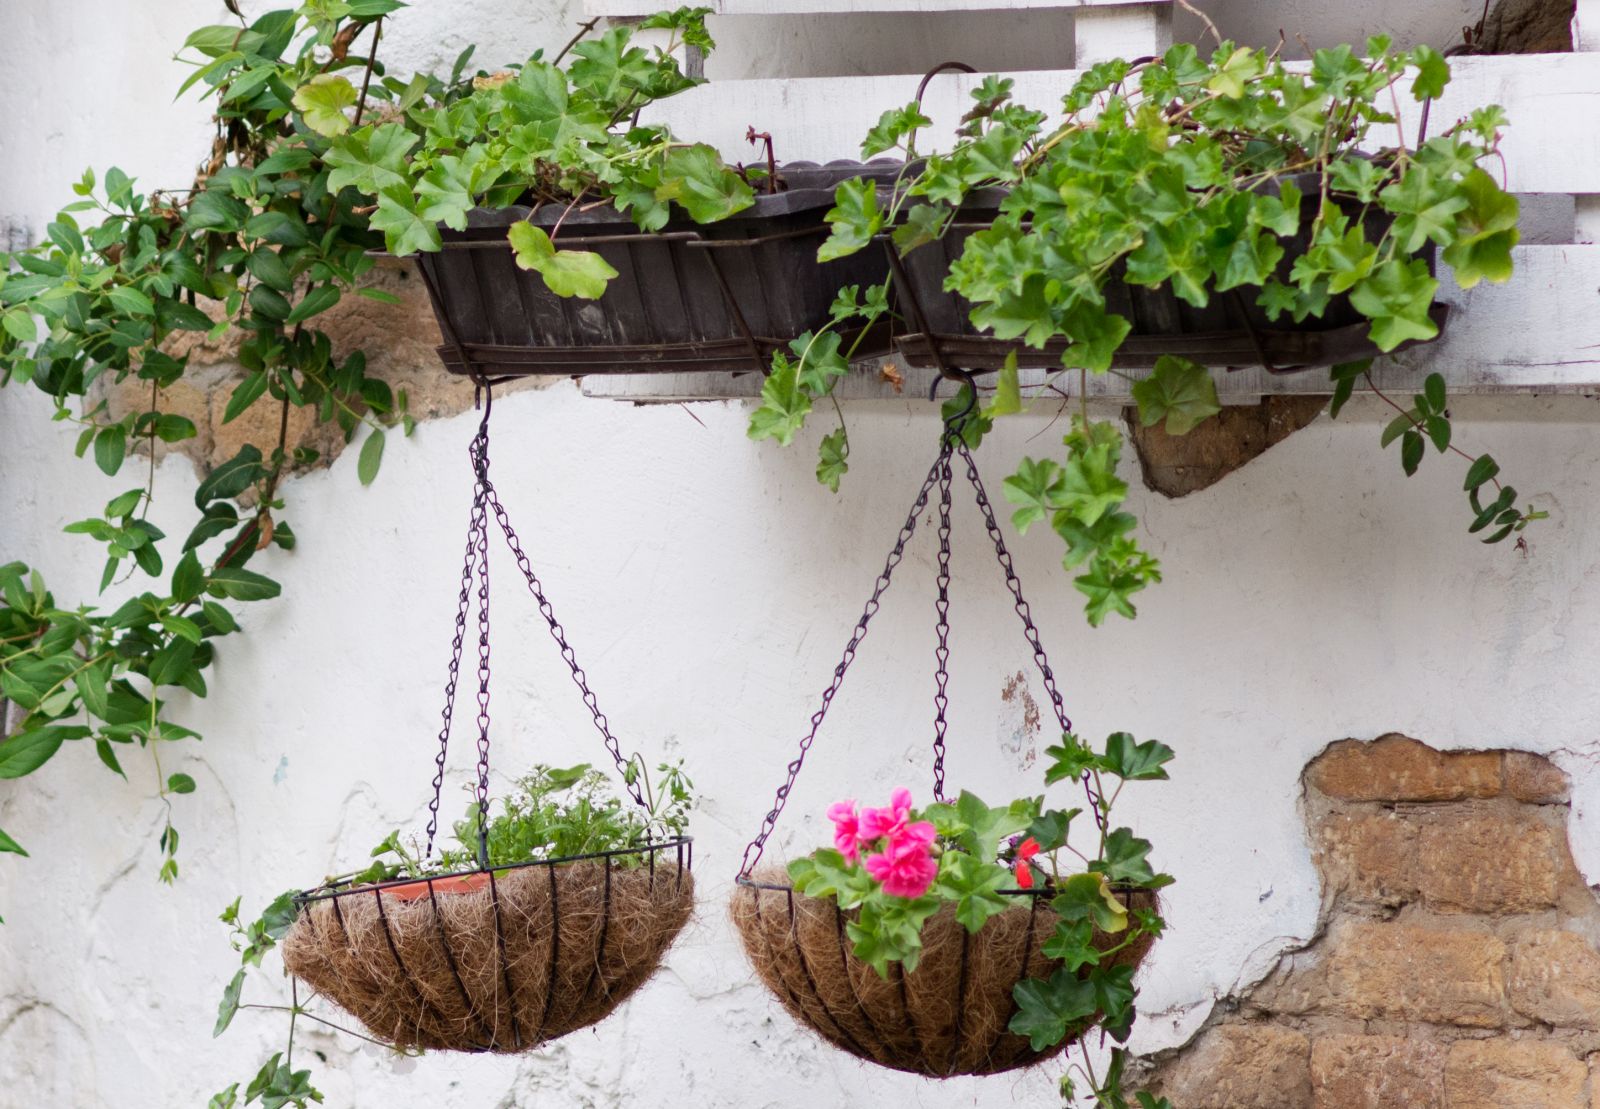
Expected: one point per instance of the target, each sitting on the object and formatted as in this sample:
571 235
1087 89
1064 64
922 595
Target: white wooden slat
1586 25
1553 101
1102 34
625 8
1538 333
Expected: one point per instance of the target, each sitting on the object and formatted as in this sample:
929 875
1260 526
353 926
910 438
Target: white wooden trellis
1539 333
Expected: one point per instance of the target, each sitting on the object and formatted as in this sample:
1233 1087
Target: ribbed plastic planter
691 297
1230 331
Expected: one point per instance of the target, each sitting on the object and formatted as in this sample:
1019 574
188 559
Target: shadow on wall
1457 959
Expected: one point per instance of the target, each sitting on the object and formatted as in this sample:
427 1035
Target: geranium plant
1193 174
550 813
893 868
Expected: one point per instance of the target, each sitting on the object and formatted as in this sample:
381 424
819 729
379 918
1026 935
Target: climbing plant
311 169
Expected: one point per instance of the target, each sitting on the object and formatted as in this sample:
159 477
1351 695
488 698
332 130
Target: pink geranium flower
846 829
906 868
890 822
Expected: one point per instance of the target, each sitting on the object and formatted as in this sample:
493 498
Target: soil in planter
948 1017
543 951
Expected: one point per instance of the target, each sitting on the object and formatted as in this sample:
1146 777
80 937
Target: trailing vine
1190 173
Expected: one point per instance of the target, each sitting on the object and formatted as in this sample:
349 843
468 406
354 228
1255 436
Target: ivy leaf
831 458
702 184
1433 73
1036 489
1134 761
1396 298
322 102
1047 1010
608 66
1072 942
1090 486
1125 859
854 219
784 404
448 191
1007 398
370 159
580 273
1180 392
1486 230
1232 72
1107 591
974 885
892 128
1069 759
405 230
1095 335
821 362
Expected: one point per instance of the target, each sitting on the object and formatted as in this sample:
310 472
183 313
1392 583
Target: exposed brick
1490 861
1243 1066
1405 972
1377 1072
1534 779
1513 1074
1555 979
1396 768
1368 857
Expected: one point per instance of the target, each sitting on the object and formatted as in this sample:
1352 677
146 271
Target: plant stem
1414 422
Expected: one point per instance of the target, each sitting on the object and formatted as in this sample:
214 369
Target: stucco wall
709 584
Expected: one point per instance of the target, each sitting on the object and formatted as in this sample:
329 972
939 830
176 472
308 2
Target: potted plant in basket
582 894
1185 212
965 939
533 190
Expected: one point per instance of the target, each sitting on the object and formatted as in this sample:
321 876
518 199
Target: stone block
1535 779
1489 860
1377 1072
1514 1074
1555 979
1243 1066
1397 768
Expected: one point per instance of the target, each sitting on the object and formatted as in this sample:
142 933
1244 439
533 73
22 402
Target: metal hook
965 377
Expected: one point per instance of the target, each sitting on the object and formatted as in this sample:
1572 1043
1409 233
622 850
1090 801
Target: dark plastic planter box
1230 331
691 297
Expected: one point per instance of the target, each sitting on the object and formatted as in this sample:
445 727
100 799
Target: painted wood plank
1538 333
1553 101
1126 31
625 8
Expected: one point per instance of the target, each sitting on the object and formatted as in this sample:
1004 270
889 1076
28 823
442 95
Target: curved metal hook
922 87
965 377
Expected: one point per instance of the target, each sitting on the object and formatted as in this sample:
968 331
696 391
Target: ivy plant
1192 173
893 868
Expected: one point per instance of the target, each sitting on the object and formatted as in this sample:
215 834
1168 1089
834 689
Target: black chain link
752 853
941 605
1026 615
476 562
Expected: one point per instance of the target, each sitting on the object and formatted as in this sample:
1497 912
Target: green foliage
1192 173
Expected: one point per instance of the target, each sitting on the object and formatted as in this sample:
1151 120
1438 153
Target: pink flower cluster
903 861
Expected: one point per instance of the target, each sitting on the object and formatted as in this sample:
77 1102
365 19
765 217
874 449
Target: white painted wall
709 584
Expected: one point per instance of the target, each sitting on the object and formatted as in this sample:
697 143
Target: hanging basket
948 1017
722 296
951 1015
1231 331
514 957
499 958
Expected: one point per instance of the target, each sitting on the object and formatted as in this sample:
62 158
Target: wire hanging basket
951 1015
507 957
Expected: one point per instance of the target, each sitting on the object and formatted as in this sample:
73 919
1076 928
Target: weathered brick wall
1458 961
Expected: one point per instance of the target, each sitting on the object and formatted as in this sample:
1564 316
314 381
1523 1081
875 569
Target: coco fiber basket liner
948 1017
533 953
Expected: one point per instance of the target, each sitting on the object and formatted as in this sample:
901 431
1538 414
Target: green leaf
405 230
371 457
1037 489
1411 451
11 845
19 325
317 299
1483 469
1433 73
27 751
1396 298
974 886
580 273
370 159
241 585
1178 391
230 1003
1433 388
180 783
1007 398
1486 230
1069 759
1048 1010
246 393
1241 66
832 454
187 578
1134 761
102 748
110 447
701 183
1089 897
322 102
853 220
892 128
1125 859
1072 942
168 665
784 404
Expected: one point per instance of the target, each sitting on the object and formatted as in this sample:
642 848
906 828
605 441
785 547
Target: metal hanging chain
1026 615
941 605
477 523
752 852
558 633
480 460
